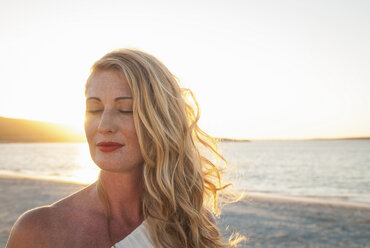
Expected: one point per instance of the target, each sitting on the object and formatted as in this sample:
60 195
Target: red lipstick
108 146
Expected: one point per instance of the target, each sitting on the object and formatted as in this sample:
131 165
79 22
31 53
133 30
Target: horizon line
291 139
226 139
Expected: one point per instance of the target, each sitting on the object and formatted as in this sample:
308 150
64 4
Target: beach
266 221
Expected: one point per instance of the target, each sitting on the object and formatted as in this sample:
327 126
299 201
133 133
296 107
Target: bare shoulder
50 225
31 228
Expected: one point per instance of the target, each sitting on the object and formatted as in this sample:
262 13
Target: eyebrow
115 99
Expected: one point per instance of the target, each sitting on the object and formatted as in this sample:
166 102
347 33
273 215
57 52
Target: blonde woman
154 183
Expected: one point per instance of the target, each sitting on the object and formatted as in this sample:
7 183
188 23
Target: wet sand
265 221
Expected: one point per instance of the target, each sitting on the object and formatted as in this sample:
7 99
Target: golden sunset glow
258 70
87 172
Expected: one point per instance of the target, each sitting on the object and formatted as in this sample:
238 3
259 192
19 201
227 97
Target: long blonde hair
181 183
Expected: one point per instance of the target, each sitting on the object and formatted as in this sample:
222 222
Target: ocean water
324 169
65 161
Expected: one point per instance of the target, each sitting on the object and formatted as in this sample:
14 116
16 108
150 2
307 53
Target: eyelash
97 111
125 112
93 111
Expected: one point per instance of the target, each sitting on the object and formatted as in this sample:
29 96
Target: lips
108 146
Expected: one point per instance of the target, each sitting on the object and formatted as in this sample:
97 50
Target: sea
330 170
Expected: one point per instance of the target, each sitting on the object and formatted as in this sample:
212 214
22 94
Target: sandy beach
265 221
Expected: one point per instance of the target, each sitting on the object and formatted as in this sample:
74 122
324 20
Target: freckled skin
110 124
76 221
79 220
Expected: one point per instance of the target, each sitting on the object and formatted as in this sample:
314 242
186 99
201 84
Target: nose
107 123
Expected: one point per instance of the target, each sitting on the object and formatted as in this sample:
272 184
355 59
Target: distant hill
19 130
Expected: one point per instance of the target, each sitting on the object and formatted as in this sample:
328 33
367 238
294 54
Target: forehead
107 83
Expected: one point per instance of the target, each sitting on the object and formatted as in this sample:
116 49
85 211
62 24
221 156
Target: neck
124 195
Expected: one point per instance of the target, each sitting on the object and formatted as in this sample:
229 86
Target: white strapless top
138 238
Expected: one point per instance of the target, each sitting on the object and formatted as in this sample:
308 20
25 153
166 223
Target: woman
155 186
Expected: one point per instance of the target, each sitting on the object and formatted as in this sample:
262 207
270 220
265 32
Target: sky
261 69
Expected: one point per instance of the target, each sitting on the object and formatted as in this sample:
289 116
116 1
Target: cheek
89 130
89 133
129 131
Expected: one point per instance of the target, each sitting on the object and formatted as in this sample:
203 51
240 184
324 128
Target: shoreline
247 194
305 199
56 179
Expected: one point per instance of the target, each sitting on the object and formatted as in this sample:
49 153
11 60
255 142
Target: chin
116 167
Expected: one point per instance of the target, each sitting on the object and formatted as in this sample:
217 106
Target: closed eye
125 111
93 111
